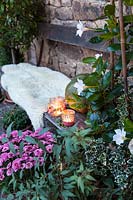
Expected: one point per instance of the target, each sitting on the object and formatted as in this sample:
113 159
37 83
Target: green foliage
19 21
17 118
110 161
5 57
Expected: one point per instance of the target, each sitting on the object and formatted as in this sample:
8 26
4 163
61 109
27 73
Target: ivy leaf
109 10
89 60
30 140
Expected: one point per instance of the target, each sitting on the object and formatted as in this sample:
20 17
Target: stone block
56 3
66 69
83 68
64 13
86 10
50 12
66 2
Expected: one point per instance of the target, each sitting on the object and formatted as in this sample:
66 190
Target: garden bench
31 88
67 35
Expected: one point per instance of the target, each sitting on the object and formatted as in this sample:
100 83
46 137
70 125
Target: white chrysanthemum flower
98 55
130 146
119 137
80 29
79 85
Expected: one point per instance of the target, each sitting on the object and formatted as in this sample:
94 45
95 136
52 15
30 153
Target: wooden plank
67 35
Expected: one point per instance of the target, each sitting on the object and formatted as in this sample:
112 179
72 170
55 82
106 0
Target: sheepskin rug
31 88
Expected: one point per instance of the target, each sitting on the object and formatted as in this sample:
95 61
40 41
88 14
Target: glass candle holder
68 117
56 106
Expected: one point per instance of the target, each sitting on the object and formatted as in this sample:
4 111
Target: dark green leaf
12 149
114 47
108 182
21 146
128 125
128 2
109 10
19 133
96 39
107 79
67 193
89 60
10 197
4 140
128 19
107 36
9 130
44 130
80 184
68 145
30 140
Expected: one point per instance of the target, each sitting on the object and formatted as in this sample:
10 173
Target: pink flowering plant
21 154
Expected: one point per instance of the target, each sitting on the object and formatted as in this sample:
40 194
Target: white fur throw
31 88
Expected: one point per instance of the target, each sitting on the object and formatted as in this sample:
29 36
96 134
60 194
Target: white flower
80 29
119 137
130 146
98 55
79 85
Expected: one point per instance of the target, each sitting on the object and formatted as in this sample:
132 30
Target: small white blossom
80 29
119 137
79 85
130 146
98 55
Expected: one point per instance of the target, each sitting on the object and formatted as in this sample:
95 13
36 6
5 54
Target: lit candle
56 106
68 117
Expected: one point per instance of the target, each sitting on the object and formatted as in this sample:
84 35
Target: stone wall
60 56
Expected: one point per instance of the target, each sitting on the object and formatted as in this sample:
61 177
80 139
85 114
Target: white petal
80 25
118 131
123 132
76 85
98 55
79 32
118 139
